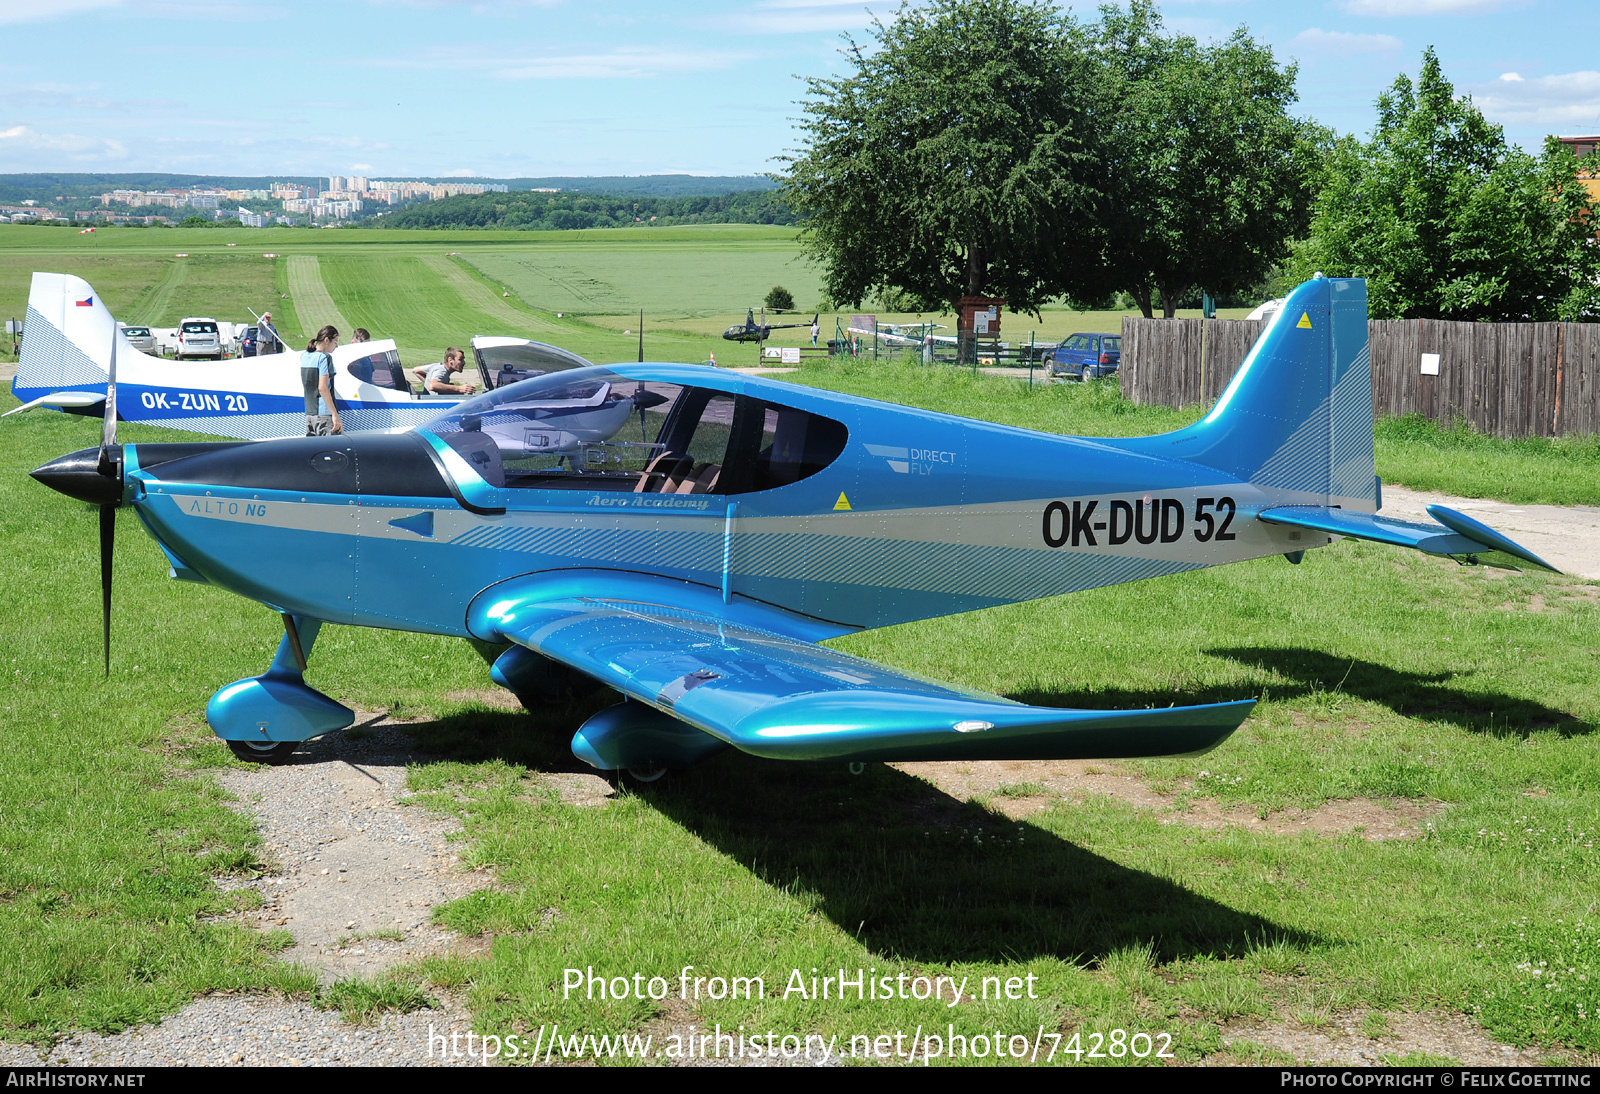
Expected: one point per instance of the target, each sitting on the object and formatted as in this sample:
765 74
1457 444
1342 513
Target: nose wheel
274 753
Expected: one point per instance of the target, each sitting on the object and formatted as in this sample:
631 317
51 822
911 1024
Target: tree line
1003 148
561 212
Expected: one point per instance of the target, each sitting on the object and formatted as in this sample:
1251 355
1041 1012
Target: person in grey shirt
267 338
436 377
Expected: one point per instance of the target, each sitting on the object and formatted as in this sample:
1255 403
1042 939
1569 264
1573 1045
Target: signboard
1430 364
791 355
13 326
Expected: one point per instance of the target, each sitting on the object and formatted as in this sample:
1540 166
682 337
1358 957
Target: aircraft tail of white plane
1297 417
66 343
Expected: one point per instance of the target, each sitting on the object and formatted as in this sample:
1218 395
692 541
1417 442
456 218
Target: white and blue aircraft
694 557
66 359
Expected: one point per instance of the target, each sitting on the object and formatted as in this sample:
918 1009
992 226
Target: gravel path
1566 536
352 859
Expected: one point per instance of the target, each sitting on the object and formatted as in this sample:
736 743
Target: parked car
198 336
1087 356
247 342
140 338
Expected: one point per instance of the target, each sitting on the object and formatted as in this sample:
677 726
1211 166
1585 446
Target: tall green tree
1208 178
1447 221
953 158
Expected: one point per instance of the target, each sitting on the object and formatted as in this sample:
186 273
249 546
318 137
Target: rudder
66 346
1297 415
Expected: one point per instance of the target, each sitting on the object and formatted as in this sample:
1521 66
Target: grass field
1388 681
1385 677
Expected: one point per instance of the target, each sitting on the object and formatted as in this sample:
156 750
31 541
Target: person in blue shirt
316 377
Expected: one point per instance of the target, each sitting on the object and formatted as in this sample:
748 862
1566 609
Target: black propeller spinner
95 476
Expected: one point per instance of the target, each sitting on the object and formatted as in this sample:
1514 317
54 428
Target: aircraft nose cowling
78 475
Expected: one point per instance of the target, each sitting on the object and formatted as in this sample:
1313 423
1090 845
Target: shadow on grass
1413 694
910 871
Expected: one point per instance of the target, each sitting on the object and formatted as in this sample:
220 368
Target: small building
1583 148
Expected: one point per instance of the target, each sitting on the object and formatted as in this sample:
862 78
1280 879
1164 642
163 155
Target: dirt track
1566 536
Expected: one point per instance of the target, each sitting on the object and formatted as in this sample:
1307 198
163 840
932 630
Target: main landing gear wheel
275 753
646 774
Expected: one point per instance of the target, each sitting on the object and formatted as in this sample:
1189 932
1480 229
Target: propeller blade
108 427
108 535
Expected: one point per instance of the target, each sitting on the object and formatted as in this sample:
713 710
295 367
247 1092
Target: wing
61 400
1456 535
775 694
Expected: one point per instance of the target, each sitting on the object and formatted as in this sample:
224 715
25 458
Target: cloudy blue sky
553 87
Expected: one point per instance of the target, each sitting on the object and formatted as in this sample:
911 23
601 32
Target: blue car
247 342
1087 356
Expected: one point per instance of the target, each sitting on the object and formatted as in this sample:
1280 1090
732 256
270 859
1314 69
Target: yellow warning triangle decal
842 503
1305 320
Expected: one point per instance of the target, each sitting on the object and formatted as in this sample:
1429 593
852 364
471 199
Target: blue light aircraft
695 555
66 359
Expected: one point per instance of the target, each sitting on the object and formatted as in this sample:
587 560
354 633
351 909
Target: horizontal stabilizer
784 698
60 400
1456 535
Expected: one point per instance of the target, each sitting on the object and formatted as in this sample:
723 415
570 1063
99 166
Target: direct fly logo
912 461
1146 520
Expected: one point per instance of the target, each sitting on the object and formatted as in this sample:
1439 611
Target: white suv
198 336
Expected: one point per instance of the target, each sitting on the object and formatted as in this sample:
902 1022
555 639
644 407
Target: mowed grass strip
313 306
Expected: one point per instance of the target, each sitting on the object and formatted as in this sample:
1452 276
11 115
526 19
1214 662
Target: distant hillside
557 212
649 186
48 187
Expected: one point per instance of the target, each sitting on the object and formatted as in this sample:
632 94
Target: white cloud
205 10
1317 40
807 16
628 63
33 11
1567 100
478 6
1396 8
20 139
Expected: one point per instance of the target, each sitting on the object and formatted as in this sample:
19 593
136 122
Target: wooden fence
1505 379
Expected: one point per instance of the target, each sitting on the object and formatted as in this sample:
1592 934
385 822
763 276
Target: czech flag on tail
86 302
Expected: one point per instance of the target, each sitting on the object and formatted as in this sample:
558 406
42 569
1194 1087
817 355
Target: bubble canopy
596 429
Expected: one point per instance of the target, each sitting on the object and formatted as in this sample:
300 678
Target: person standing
816 329
316 378
266 338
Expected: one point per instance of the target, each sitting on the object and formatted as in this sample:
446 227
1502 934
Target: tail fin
1297 416
66 339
